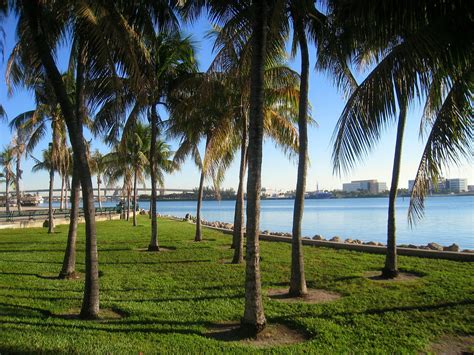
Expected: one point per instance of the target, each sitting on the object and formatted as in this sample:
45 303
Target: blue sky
277 171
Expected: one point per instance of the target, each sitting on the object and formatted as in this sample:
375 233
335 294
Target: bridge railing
57 213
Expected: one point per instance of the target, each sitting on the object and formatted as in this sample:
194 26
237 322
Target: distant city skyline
278 173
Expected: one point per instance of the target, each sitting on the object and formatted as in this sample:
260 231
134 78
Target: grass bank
170 298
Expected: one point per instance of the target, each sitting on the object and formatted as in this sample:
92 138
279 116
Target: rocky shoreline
336 239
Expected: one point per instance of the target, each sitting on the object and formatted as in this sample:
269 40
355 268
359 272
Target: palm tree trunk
135 199
238 234
66 205
391 269
153 246
128 203
32 9
17 182
61 198
68 270
198 234
7 193
98 190
50 202
297 278
254 320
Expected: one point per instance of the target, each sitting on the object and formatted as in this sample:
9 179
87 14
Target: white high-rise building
456 185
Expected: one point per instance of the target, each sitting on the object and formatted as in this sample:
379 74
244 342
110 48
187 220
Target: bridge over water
107 193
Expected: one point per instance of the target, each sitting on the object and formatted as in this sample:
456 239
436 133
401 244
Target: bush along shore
336 239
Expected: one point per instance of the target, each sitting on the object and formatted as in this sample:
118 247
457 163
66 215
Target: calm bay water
447 220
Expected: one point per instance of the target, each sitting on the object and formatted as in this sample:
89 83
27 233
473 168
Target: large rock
318 237
348 240
468 251
435 246
452 247
357 241
370 243
336 239
142 212
412 246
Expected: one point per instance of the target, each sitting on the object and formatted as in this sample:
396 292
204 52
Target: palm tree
68 270
232 65
97 167
171 59
199 98
48 163
6 161
118 166
102 43
424 57
254 318
138 148
19 148
239 19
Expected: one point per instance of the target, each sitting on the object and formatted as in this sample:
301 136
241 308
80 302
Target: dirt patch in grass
453 344
402 276
272 335
313 296
105 314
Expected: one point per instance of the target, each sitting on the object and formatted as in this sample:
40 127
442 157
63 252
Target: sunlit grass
170 298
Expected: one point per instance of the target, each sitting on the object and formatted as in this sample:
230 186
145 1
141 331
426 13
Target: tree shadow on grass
139 262
44 277
110 326
327 314
38 262
31 250
47 298
7 309
177 299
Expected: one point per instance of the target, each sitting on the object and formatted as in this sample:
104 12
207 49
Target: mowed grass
170 298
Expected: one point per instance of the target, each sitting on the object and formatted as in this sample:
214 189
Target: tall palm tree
49 164
138 149
6 161
105 37
232 65
421 51
241 18
254 318
171 57
98 167
19 148
199 99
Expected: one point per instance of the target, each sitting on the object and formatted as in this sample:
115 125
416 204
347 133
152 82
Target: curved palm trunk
135 199
238 234
50 202
391 269
17 182
297 279
68 270
254 320
153 246
32 9
198 234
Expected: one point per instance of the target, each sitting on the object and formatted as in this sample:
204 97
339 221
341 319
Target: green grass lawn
170 298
